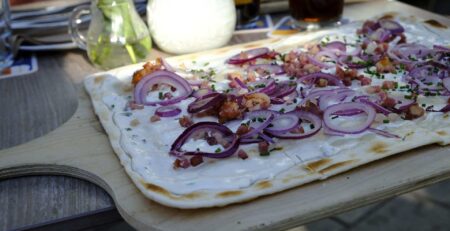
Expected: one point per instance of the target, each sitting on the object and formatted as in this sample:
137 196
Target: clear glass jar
116 36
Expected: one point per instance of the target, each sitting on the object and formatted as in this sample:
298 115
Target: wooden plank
80 148
35 104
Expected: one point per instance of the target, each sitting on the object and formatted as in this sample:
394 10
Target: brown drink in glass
313 14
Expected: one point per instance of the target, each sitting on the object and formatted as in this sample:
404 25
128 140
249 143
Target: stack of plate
44 25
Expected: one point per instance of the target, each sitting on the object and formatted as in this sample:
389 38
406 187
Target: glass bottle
116 36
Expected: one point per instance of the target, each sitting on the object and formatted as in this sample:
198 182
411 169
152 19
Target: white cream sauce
148 143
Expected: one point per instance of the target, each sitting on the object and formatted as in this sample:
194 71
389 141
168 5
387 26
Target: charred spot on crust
314 166
336 166
99 79
157 189
435 23
264 184
229 194
441 133
379 147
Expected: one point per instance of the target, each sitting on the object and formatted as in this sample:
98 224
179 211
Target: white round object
185 26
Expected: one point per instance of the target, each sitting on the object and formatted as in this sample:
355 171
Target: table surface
58 86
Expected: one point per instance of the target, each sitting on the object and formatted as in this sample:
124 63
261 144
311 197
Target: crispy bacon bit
414 111
196 160
386 101
229 111
256 101
263 148
385 65
251 76
297 64
373 89
185 121
148 68
346 75
168 95
364 80
243 129
242 154
389 85
155 118
135 106
211 140
183 163
367 27
448 100
310 107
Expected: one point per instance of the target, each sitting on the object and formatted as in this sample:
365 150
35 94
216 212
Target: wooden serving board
80 148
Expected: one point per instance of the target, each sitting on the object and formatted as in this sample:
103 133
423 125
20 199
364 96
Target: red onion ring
303 116
161 77
267 69
283 123
251 55
446 83
311 78
167 111
376 106
230 148
336 46
370 111
167 66
259 120
441 48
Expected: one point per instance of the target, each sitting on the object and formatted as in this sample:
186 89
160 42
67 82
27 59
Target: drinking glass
6 55
314 14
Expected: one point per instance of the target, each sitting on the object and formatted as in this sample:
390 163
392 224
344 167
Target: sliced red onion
196 82
283 89
315 121
335 97
330 111
250 140
312 78
317 60
249 55
283 123
441 48
206 102
266 137
167 111
383 133
266 86
161 77
258 121
335 46
266 69
377 107
380 35
392 26
240 83
202 128
408 53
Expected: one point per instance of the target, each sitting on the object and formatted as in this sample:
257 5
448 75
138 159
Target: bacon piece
384 65
414 111
364 80
229 110
196 160
389 85
147 69
263 148
311 107
256 101
135 106
373 89
243 129
181 163
242 154
185 121
155 118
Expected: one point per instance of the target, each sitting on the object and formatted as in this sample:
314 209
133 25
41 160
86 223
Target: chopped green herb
160 95
218 150
264 153
386 121
276 149
128 129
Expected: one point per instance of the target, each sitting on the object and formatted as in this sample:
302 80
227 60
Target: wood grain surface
80 148
33 105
